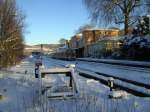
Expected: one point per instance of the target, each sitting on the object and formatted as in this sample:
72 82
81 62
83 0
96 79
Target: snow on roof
91 29
79 34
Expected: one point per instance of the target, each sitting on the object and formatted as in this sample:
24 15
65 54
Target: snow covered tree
143 26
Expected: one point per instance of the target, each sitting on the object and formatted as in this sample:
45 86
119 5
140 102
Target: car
59 82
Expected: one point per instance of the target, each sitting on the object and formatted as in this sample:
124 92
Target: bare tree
117 11
11 33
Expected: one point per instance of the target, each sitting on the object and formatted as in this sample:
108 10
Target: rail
133 87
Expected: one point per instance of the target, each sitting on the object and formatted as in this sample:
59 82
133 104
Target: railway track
138 69
116 62
133 87
126 66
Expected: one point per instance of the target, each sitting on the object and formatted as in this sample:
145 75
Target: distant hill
47 48
50 46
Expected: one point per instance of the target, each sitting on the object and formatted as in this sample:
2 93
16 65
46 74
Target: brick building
93 35
81 42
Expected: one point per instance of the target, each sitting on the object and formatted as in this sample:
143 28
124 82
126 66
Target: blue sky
49 20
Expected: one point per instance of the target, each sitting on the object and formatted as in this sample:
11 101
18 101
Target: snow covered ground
125 62
18 89
20 92
131 73
123 72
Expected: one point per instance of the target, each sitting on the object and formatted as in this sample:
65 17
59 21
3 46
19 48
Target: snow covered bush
136 47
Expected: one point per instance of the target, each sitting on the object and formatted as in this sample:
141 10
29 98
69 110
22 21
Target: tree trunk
126 24
126 17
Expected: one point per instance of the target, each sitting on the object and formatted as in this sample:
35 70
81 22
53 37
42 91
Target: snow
118 94
56 69
102 91
132 63
130 73
143 41
127 73
118 82
20 92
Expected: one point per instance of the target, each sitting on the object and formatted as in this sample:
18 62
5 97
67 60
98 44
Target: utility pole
41 48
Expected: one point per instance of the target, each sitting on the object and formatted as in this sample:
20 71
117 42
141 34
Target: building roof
101 29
